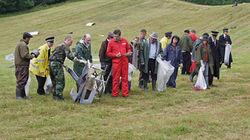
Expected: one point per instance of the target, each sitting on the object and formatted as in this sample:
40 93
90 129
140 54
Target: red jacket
114 48
194 37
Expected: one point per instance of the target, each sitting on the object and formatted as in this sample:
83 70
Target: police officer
40 65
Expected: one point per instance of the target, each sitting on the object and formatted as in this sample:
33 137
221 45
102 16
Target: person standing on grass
142 42
173 54
106 63
214 44
166 40
194 56
40 65
119 50
22 62
193 35
224 40
186 43
57 59
83 52
204 53
148 55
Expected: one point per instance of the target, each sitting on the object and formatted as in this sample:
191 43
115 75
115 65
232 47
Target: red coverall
119 64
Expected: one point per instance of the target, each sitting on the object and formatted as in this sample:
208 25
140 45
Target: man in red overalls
118 49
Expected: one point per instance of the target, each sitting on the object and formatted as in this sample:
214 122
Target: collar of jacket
22 40
82 43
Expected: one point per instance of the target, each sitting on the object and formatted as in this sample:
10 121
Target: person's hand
130 54
118 55
226 42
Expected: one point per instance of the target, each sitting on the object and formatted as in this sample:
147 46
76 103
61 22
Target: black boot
18 94
145 85
153 84
58 98
23 94
41 91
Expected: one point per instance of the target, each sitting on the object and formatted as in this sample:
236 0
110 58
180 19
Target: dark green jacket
22 56
83 53
186 43
201 53
60 53
144 55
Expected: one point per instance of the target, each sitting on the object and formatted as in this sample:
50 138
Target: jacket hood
175 36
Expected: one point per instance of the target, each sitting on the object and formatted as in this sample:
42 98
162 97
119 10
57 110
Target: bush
8 6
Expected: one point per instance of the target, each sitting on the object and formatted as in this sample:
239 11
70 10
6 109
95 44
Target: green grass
182 113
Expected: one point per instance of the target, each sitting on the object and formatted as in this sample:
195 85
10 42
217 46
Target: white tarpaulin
27 86
227 54
165 70
131 69
200 83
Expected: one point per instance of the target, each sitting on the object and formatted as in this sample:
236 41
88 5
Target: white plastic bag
200 83
49 86
131 69
227 54
27 86
165 70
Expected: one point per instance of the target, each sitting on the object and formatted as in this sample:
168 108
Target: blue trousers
171 82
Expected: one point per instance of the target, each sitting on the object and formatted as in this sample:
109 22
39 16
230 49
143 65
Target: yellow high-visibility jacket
40 65
164 42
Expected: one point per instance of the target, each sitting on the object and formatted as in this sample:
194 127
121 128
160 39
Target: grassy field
182 113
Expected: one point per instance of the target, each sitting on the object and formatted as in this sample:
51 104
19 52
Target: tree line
8 6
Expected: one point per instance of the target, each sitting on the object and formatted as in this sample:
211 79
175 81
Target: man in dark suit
214 45
224 40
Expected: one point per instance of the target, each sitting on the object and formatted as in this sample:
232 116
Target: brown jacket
22 56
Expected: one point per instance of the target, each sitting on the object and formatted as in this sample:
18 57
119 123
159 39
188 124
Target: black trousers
210 78
41 82
186 63
108 88
151 71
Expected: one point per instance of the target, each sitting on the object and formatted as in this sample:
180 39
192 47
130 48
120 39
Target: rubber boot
18 94
23 94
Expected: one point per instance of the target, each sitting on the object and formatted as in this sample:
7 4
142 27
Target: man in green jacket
83 52
204 53
22 62
186 43
142 43
148 55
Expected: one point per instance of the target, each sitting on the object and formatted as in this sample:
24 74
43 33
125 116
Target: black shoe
18 94
213 85
145 86
141 85
41 92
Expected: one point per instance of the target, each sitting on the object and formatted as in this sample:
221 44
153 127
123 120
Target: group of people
115 55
